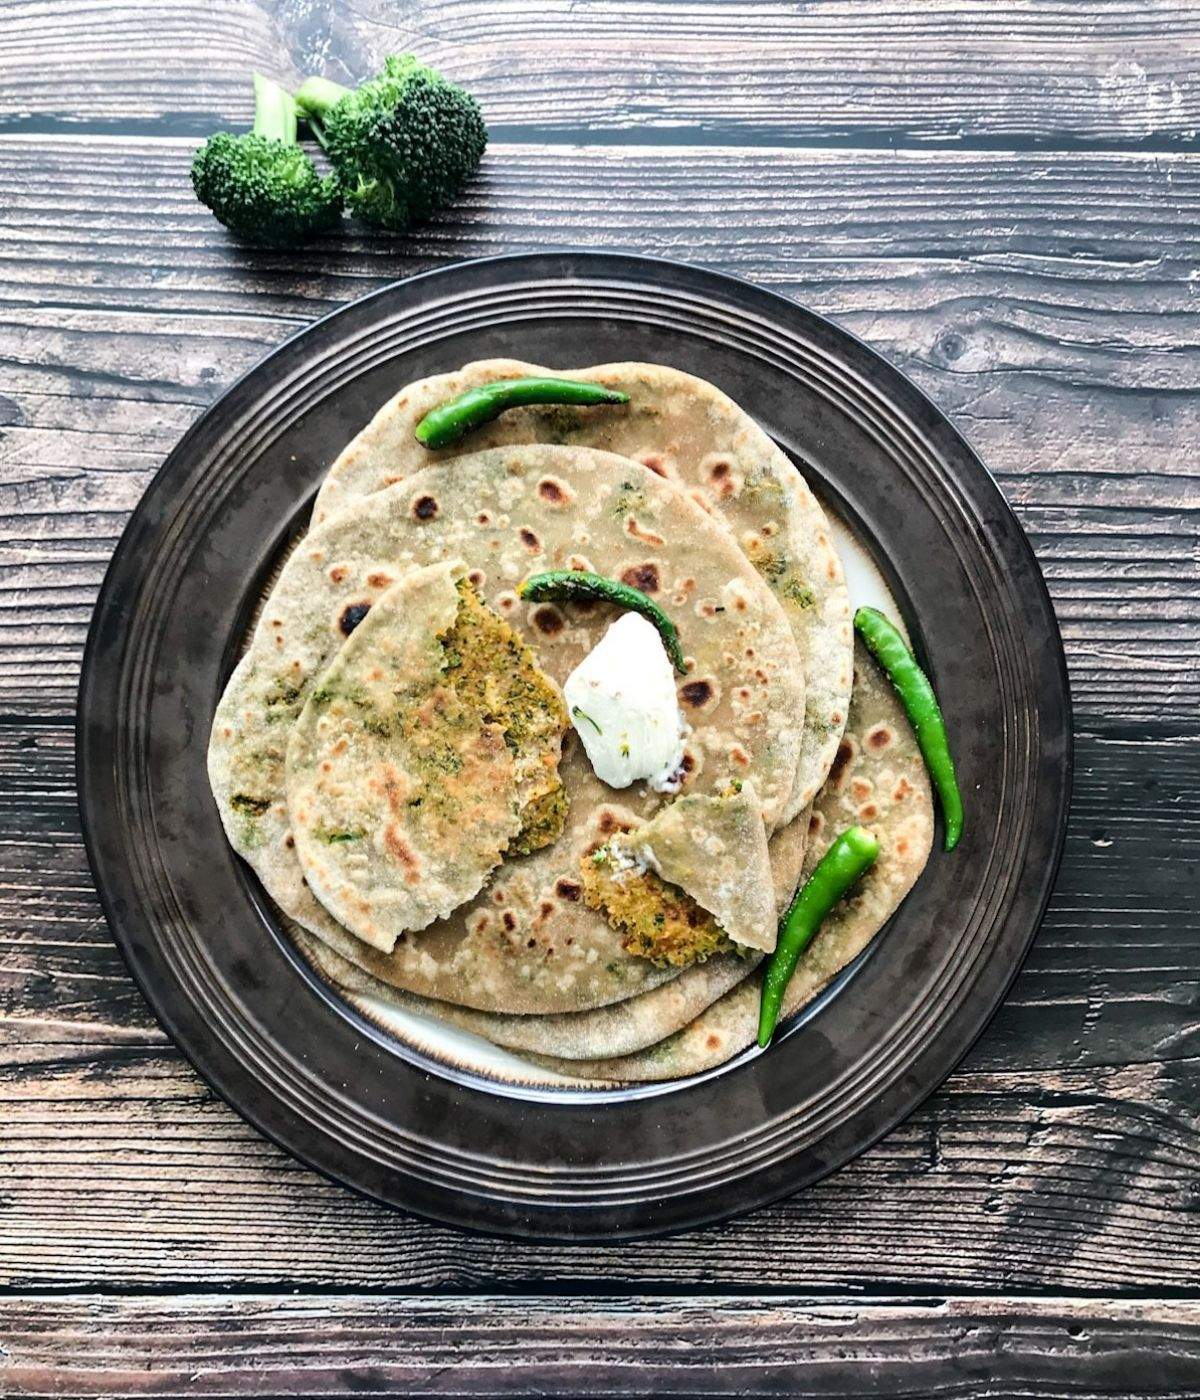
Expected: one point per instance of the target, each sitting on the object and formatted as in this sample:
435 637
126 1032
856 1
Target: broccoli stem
274 111
315 96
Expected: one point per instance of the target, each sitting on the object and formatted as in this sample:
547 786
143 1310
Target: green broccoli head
262 185
403 144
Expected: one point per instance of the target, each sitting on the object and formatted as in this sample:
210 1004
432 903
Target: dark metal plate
330 1087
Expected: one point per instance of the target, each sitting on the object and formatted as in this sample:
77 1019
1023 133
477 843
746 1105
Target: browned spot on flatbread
861 788
529 540
568 890
868 812
879 737
739 756
554 491
644 577
476 578
816 823
901 790
379 580
394 789
483 518
510 920
653 460
641 532
608 822
549 621
714 1041
721 479
841 763
425 508
338 573
699 693
396 846
351 615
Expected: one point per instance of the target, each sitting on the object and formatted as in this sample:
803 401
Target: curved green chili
889 648
845 862
456 417
569 585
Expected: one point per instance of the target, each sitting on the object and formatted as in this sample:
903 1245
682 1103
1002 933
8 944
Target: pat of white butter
621 699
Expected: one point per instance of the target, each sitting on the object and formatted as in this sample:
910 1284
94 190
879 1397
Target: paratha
693 435
527 943
426 753
617 1029
878 779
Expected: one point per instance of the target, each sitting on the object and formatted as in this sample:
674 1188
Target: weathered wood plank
1063 1154
1047 303
888 73
112 223
119 1170
957 1348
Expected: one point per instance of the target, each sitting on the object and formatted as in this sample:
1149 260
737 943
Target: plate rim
642 268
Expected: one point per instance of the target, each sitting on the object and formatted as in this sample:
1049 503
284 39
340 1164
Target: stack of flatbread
393 758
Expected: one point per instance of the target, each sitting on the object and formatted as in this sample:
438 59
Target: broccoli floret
403 144
262 185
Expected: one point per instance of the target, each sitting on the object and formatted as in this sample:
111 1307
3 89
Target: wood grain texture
956 1348
1064 1154
834 72
1003 198
1046 302
122 1173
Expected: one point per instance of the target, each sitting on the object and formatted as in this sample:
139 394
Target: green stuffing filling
656 920
249 806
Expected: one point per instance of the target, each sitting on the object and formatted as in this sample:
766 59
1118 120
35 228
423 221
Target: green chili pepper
455 418
889 648
568 585
846 861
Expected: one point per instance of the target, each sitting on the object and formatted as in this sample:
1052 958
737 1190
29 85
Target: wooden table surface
1004 198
